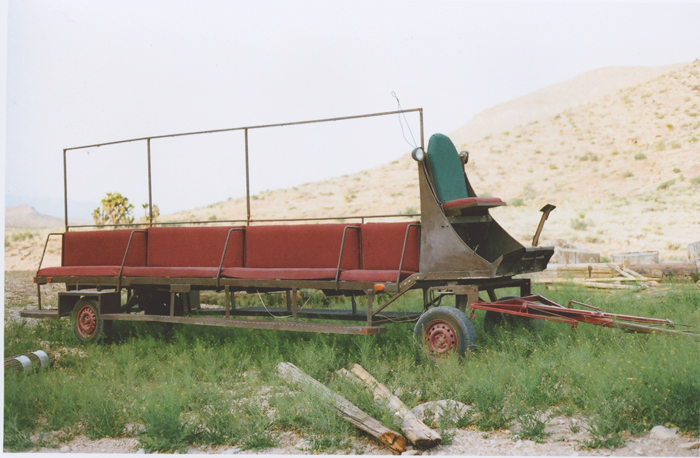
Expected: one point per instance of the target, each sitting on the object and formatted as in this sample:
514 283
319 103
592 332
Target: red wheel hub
86 322
440 336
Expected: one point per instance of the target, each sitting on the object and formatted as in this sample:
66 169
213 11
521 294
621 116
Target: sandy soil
561 442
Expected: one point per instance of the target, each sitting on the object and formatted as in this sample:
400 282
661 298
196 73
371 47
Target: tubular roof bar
245 129
261 126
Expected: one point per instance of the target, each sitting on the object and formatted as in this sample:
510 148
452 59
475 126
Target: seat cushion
257 273
194 247
473 202
373 275
171 272
303 246
446 169
103 248
79 271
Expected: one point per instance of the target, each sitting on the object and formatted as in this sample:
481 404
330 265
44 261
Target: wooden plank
46 313
619 271
348 411
417 432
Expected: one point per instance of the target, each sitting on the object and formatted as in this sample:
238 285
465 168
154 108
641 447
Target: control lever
546 210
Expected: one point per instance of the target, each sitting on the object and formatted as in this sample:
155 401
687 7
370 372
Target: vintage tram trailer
453 247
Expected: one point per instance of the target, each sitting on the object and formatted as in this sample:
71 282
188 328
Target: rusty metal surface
536 306
546 210
470 246
326 314
442 250
252 221
251 324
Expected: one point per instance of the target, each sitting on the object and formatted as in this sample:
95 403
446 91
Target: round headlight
418 154
464 156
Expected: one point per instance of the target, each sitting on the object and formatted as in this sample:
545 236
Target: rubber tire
459 326
492 320
86 331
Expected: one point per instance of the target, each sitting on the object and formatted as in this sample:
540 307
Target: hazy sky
81 72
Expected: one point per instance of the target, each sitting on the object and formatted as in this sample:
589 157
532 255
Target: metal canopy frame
245 129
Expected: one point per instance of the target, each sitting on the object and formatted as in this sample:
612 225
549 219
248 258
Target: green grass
214 386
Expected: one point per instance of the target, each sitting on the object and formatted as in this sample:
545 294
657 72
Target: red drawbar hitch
536 306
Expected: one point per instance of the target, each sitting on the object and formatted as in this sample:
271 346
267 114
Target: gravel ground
465 442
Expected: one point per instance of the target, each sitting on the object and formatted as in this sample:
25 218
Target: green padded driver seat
451 185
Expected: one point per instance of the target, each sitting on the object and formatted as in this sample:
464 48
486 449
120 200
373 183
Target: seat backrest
382 244
194 247
301 246
103 248
446 169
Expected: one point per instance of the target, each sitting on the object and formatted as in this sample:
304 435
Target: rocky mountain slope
623 168
25 217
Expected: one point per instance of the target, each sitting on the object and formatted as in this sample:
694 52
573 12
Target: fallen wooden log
592 283
593 280
348 411
29 361
601 285
417 432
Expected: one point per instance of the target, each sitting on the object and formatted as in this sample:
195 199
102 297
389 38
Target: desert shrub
589 156
666 184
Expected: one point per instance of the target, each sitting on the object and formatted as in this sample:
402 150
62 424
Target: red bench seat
183 252
98 253
370 252
382 246
298 252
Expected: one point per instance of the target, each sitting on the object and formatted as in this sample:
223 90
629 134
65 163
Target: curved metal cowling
466 242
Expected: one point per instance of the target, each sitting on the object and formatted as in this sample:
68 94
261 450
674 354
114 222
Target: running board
50 313
250 324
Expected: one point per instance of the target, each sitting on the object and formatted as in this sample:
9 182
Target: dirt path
464 442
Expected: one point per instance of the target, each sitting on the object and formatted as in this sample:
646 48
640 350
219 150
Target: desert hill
621 161
615 149
551 100
25 217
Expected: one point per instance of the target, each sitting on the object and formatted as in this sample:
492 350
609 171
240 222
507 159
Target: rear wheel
494 320
86 324
442 331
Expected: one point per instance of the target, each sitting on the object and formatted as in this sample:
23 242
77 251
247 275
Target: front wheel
86 324
442 331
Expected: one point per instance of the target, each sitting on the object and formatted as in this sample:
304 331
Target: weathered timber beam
417 432
348 411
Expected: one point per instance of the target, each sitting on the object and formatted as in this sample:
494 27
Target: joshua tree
115 209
